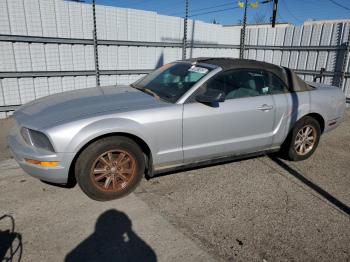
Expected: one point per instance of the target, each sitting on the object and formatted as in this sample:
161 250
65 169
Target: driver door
243 123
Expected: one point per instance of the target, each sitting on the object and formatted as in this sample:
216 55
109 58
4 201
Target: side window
238 83
218 82
245 83
275 85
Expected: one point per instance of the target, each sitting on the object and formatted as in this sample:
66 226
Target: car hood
76 104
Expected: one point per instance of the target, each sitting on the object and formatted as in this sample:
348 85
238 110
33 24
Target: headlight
36 139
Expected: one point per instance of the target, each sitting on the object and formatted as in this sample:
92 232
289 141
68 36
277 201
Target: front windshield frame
166 96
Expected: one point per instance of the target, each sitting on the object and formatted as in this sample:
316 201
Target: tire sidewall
292 154
92 152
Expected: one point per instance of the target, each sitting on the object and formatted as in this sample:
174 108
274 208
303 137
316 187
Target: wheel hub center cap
113 170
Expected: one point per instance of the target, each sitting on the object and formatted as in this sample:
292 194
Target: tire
110 168
298 145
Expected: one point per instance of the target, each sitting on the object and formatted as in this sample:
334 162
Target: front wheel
110 168
302 140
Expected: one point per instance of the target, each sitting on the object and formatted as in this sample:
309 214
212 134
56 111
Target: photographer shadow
10 242
113 240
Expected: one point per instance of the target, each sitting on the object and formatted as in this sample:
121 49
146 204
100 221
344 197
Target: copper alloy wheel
113 171
305 140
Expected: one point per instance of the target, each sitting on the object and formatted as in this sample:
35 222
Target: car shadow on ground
113 240
327 196
10 241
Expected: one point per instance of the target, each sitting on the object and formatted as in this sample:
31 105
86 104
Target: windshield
171 81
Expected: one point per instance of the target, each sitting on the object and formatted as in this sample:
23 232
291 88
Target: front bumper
21 151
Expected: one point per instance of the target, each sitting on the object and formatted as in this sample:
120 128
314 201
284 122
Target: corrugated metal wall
60 19
64 30
306 49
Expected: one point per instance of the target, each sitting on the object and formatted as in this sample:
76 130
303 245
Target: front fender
72 137
160 129
108 126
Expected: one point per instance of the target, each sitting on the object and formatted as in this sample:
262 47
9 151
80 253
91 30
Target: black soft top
288 76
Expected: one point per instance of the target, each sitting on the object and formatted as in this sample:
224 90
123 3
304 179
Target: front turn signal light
42 163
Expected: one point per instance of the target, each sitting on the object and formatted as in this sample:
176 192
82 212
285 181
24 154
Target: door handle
265 107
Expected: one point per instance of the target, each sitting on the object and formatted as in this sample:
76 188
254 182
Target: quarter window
275 85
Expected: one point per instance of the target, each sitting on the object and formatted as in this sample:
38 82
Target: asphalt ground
258 209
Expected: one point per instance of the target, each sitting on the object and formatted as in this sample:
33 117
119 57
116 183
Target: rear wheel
110 168
302 140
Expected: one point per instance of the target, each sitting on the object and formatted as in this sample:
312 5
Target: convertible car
183 114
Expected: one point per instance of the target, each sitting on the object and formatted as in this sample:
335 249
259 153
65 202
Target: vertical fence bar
97 68
274 13
242 46
345 62
184 42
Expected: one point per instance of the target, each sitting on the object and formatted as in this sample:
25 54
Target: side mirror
211 96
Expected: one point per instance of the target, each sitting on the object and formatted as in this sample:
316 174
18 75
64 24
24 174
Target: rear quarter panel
330 103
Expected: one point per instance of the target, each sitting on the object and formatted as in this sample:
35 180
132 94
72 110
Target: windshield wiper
151 93
146 90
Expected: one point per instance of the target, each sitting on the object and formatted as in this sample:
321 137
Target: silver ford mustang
184 114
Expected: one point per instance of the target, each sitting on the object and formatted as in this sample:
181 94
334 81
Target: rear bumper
21 151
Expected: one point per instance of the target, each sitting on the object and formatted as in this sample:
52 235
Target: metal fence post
97 69
184 43
242 45
345 63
